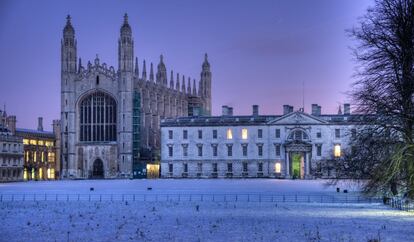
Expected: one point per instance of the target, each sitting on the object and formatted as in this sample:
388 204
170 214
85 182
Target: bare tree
383 151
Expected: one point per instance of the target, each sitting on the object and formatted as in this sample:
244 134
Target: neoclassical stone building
292 145
110 117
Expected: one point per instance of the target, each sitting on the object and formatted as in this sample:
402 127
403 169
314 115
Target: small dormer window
97 80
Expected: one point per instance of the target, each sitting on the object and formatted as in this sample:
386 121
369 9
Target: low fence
156 197
401 204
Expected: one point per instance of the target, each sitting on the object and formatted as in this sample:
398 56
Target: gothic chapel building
111 117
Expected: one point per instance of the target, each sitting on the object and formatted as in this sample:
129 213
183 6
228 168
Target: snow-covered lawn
195 220
175 186
189 221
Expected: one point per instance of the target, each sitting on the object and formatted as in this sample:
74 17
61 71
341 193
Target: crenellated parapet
96 68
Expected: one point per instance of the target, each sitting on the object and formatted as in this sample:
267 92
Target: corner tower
68 75
205 85
125 96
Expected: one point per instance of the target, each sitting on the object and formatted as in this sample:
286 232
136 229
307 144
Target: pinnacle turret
194 88
161 72
189 86
136 67
177 85
125 28
183 85
206 65
68 29
80 65
125 48
144 71
68 48
151 77
172 80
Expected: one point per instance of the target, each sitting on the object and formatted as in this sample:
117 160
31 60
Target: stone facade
292 145
41 152
110 118
11 150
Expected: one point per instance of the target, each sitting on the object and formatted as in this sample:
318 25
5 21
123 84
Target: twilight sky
261 52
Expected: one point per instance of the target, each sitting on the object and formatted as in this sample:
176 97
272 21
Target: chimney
316 110
11 123
40 124
226 110
319 110
255 110
347 109
230 111
287 109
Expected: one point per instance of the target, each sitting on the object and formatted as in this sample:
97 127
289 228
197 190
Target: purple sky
260 51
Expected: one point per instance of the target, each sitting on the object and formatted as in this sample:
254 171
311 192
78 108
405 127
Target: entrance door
98 171
298 166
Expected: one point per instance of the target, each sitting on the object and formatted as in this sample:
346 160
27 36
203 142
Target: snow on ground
176 186
189 221
195 221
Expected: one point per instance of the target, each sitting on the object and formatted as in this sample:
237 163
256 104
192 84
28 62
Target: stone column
308 159
287 167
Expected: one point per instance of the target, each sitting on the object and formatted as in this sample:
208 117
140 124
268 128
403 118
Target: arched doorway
98 170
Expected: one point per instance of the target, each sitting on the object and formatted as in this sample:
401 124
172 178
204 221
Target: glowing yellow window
33 142
41 142
25 174
34 156
229 134
49 143
244 133
27 155
25 141
51 157
40 173
51 173
43 157
337 150
277 167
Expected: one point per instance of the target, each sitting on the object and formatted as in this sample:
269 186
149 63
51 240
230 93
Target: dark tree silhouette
383 150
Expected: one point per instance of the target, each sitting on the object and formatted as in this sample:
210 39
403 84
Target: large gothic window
97 118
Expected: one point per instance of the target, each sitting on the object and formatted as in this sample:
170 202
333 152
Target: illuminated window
34 156
49 143
33 173
51 157
50 173
277 167
27 155
25 174
43 157
25 141
244 133
41 142
33 142
40 173
229 134
337 150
